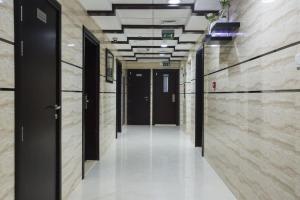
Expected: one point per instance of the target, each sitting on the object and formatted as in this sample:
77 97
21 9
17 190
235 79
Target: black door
37 100
123 100
165 97
91 85
138 100
199 115
119 97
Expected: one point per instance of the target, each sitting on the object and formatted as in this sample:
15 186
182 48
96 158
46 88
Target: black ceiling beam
153 47
151 38
153 27
151 53
151 58
147 7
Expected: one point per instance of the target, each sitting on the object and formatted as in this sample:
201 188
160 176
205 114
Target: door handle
86 102
173 98
54 107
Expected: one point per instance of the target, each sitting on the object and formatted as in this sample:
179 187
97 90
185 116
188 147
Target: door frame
18 95
88 34
176 94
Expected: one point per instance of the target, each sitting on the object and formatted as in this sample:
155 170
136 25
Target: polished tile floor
157 163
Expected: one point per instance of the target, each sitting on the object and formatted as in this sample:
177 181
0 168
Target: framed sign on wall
109 66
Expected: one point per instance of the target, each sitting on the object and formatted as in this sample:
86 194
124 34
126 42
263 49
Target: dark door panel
165 97
119 97
138 102
199 115
38 101
91 87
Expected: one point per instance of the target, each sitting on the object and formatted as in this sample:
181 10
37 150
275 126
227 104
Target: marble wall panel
72 78
7 145
7 20
277 71
7 79
6 101
251 140
265 26
107 120
71 141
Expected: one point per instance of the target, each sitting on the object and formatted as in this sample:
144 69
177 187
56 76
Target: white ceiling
182 17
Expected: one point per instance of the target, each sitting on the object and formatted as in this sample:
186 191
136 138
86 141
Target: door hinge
22 48
21 13
22 133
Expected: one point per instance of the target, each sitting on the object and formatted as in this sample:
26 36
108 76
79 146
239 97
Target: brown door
38 100
165 97
138 102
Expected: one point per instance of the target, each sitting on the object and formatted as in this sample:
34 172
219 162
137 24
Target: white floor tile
152 163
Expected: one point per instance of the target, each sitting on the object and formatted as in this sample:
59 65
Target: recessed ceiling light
174 1
164 45
69 45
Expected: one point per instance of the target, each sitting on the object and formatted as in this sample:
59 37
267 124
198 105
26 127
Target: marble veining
7 65
251 140
7 20
7 145
71 141
72 77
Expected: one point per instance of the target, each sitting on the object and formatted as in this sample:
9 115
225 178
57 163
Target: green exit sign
168 34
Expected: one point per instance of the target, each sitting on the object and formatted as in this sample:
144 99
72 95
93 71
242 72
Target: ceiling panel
153 56
148 1
184 46
132 21
197 23
108 22
125 53
189 37
153 50
122 46
121 37
207 5
135 14
152 42
148 32
163 14
180 53
151 17
96 5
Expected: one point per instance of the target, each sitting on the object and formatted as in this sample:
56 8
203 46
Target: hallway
152 163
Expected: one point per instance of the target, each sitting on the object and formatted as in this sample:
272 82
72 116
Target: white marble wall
252 139
188 104
6 100
73 18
